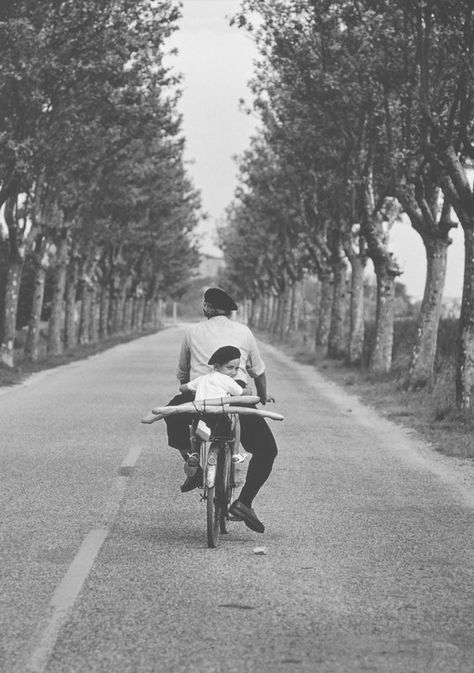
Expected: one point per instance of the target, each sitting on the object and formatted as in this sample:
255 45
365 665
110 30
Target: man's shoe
248 516
191 465
192 482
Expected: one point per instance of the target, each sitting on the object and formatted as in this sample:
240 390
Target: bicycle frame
215 457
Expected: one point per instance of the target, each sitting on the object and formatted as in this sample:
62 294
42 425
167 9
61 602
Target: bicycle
215 460
215 455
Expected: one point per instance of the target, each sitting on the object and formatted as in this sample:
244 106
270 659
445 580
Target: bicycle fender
211 466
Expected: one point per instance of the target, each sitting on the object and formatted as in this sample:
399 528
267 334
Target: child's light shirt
214 384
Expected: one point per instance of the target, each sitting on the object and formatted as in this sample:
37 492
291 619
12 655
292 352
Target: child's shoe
191 465
237 458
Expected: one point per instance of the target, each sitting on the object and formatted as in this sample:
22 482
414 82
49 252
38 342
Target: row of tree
94 194
366 115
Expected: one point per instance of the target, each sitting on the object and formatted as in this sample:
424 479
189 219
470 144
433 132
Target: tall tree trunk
86 310
161 312
325 308
381 357
12 290
56 320
386 270
72 279
120 308
140 326
254 317
95 311
357 322
285 311
296 306
465 355
32 345
424 351
128 315
458 189
277 314
105 309
264 321
336 337
16 257
314 318
421 202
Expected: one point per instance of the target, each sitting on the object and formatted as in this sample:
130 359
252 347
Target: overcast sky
217 61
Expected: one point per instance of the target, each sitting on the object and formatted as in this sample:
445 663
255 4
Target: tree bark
381 357
356 312
336 336
458 189
325 308
95 313
128 315
386 270
32 345
72 279
285 312
12 290
105 309
296 306
56 320
120 307
424 351
85 319
465 355
265 322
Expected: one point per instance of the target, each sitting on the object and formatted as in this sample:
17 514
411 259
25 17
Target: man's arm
184 362
255 364
261 386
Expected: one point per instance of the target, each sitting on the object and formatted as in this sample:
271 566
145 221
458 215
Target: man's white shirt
204 338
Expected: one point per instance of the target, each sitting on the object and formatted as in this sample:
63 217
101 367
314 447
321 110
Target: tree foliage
90 139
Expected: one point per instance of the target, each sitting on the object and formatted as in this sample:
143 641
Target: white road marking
64 598
68 590
132 457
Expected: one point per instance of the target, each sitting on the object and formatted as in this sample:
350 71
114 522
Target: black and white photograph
236 336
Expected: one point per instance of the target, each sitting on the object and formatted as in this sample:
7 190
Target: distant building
210 265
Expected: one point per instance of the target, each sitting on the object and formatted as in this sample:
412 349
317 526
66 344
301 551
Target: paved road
369 543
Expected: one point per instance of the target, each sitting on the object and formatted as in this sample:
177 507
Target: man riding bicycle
200 342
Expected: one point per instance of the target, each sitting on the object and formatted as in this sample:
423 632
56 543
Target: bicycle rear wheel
223 485
213 517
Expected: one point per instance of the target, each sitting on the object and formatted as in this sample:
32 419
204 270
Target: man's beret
224 354
219 299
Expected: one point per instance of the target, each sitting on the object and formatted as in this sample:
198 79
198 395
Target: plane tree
83 89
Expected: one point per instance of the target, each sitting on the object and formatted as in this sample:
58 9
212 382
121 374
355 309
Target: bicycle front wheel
223 486
213 517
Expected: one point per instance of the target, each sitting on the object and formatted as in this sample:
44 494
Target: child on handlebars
220 382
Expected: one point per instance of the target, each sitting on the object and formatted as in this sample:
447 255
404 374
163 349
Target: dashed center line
66 593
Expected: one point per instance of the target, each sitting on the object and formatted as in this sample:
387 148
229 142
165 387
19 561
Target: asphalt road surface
366 563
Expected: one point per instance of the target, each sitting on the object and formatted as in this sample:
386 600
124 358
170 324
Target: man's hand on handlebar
268 398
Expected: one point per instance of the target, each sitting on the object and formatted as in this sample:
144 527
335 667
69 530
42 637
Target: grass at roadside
23 369
429 412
